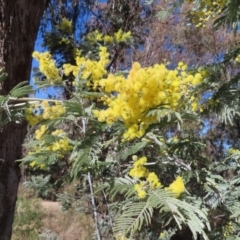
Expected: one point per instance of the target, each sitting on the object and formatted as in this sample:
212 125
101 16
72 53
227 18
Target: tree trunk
19 22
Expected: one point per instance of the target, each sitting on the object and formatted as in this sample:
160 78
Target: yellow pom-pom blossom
237 59
85 68
61 146
149 180
140 189
65 25
206 10
40 132
121 36
142 193
34 164
43 111
177 186
142 90
47 67
153 180
31 117
162 235
52 111
228 229
120 236
117 37
140 171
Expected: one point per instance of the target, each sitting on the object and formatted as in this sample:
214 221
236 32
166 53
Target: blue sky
44 93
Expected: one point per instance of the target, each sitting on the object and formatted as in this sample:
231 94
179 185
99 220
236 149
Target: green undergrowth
38 219
28 219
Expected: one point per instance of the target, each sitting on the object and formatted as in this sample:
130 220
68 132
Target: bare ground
68 225
51 206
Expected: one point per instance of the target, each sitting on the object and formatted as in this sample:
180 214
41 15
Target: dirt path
51 206
69 225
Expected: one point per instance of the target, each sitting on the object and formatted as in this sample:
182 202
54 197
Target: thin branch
94 206
13 99
180 163
110 217
154 139
174 159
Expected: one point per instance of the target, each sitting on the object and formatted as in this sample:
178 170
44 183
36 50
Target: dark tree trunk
19 22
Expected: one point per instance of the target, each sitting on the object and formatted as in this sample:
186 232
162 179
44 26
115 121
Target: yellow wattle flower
40 132
141 172
176 186
142 90
142 193
47 66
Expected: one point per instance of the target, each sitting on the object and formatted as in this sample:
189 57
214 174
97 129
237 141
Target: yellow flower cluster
176 187
47 67
32 115
237 59
228 229
140 171
232 151
194 103
40 132
86 68
34 164
162 235
118 37
43 111
120 236
206 10
52 111
139 188
61 146
66 26
151 179
144 89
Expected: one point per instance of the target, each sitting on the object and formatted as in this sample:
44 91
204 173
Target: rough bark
19 21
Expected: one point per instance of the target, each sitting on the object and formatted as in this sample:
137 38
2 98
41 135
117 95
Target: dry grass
68 225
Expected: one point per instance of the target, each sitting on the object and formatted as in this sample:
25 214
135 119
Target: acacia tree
19 23
136 121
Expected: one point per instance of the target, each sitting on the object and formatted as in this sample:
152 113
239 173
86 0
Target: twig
179 162
174 159
110 217
25 99
95 214
94 207
152 137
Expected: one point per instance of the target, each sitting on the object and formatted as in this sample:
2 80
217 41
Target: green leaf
21 90
3 76
135 215
131 150
72 107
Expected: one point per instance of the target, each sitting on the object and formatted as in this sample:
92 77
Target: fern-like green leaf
85 154
183 212
79 159
132 150
73 107
124 186
135 215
